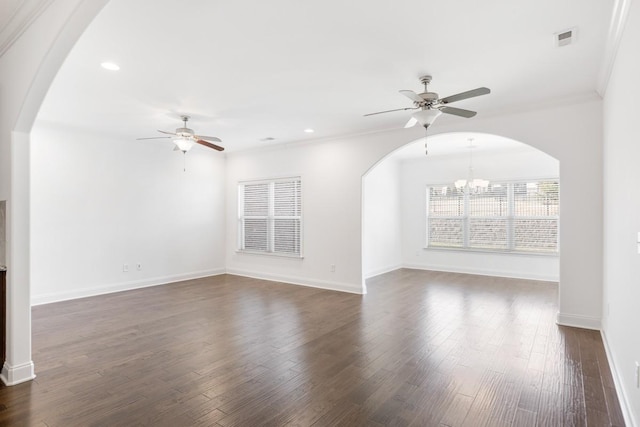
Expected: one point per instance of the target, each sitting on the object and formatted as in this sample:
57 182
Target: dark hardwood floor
421 348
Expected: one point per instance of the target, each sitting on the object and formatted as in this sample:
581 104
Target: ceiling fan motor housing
184 132
429 96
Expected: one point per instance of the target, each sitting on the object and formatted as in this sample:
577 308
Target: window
269 216
517 216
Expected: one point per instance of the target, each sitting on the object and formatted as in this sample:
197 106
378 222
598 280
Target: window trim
270 218
510 218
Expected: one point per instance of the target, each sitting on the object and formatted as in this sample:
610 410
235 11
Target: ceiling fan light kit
183 144
426 117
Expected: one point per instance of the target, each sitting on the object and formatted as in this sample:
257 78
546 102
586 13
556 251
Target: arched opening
505 234
39 55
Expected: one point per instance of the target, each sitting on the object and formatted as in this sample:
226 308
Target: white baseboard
12 375
622 397
482 272
119 287
379 271
301 281
578 321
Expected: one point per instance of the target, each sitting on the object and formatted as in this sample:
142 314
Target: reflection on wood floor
421 348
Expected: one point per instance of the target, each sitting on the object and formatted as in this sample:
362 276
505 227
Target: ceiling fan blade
208 138
168 133
464 95
411 123
153 137
390 111
210 145
458 112
412 95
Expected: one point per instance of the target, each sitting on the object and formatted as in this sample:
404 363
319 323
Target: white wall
495 166
332 171
99 202
381 219
622 214
331 174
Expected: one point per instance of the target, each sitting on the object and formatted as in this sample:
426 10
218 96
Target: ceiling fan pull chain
184 161
426 140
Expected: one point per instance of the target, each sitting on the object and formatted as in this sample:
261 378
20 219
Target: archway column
18 366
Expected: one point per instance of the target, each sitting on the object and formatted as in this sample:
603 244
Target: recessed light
110 66
309 130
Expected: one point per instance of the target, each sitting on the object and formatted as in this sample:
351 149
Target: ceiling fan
184 138
431 105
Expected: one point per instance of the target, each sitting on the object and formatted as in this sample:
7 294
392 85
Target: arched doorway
30 65
396 228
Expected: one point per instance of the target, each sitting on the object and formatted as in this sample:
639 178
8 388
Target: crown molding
614 37
21 16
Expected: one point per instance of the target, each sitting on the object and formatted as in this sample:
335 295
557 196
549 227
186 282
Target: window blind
270 219
520 216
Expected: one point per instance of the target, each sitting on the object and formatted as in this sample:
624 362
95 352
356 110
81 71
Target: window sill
270 254
494 252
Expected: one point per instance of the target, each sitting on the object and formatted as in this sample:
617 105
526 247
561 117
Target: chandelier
471 184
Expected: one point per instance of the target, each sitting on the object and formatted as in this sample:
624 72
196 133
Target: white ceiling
247 70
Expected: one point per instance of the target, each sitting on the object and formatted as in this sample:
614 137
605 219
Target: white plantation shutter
536 235
270 219
256 236
256 200
536 206
287 215
488 223
446 232
256 217
510 216
487 233
445 207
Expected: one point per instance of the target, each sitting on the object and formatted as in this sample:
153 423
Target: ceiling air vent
565 38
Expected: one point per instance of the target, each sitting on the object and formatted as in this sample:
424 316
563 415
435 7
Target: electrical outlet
332 267
125 267
138 266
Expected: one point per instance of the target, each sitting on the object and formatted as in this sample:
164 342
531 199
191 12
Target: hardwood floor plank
421 348
457 410
524 418
551 412
530 393
613 407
